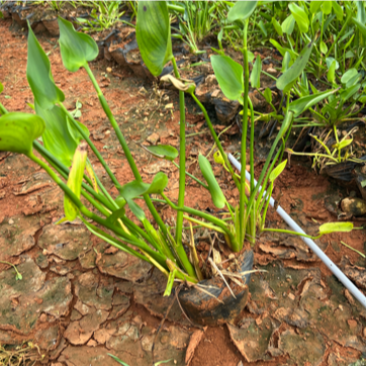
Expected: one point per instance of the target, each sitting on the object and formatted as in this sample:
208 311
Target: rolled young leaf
229 75
75 180
275 173
291 74
76 48
153 35
18 131
241 10
218 197
39 75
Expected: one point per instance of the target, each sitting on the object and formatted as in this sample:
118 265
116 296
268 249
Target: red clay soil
140 111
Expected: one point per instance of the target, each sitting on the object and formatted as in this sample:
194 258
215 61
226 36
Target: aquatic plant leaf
229 75
326 7
153 35
241 10
268 95
350 77
291 74
331 72
136 189
300 16
338 11
163 151
302 104
255 77
18 131
277 27
75 180
361 27
332 227
350 92
276 172
288 25
314 6
39 75
76 48
217 196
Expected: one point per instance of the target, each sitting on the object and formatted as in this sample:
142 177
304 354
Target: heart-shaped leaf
76 48
241 10
18 131
291 74
300 16
255 77
229 75
217 196
153 35
163 151
39 75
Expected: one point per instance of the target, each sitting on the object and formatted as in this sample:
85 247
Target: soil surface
79 299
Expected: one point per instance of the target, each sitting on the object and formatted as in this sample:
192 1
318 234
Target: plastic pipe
310 243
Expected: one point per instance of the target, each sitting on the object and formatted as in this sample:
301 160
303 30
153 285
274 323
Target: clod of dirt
120 305
353 206
123 265
67 241
28 298
252 338
18 237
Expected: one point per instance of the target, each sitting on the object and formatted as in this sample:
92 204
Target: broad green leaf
277 27
268 95
282 50
1 88
326 7
361 26
314 6
342 144
136 210
302 104
331 72
275 173
350 77
288 25
329 61
350 92
255 77
333 227
75 180
323 47
290 75
39 75
300 16
76 48
18 131
262 27
338 11
153 35
57 138
163 151
229 75
217 196
361 14
136 189
241 10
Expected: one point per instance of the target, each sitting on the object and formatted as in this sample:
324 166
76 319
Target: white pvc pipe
310 243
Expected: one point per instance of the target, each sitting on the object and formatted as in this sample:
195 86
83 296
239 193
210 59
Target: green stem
182 158
243 197
292 233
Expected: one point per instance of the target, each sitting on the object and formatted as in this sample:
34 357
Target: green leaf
268 95
331 72
290 75
241 10
338 11
136 210
326 7
361 27
329 61
76 48
275 173
18 131
39 75
342 144
314 6
57 138
323 47
255 77
229 75
153 35
349 92
300 16
116 215
333 227
302 104
350 77
75 180
136 189
286 61
1 88
288 25
217 196
163 151
170 283
277 27
361 14
118 360
262 27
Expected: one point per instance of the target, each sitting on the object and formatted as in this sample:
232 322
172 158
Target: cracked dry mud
79 299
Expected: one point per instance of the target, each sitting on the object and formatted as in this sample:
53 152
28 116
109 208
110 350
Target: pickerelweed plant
155 47
65 143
